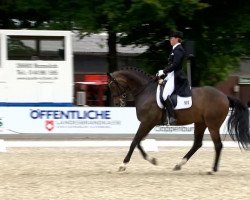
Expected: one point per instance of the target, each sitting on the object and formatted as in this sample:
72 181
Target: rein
121 90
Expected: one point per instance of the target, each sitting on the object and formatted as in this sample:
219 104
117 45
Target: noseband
121 90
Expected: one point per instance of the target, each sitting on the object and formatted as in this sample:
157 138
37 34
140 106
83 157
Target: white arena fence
148 144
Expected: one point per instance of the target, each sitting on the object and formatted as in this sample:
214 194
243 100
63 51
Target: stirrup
172 121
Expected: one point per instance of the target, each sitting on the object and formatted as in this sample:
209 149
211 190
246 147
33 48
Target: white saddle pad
182 102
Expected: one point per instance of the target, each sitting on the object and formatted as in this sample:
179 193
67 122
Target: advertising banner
69 120
82 120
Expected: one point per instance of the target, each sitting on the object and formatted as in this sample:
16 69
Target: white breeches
169 87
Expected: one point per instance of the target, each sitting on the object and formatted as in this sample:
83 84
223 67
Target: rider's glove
160 74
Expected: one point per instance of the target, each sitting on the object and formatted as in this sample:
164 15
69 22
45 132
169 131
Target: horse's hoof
122 168
210 173
154 161
177 168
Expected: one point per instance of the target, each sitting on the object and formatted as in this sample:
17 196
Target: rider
172 70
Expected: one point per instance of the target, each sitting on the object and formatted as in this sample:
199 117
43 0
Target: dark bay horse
209 109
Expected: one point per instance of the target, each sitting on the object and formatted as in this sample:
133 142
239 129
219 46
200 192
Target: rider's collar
176 45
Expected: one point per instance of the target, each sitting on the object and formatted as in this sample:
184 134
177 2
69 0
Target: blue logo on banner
70 114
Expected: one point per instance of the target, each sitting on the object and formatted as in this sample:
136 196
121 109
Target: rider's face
173 41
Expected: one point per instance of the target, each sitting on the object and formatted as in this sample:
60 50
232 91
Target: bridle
122 91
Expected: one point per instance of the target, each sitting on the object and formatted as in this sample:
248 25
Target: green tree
220 29
7 13
138 22
85 16
150 22
221 32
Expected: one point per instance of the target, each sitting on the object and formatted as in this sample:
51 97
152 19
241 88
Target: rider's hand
160 74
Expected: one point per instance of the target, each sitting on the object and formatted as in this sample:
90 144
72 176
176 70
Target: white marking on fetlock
183 162
178 166
122 167
149 159
152 160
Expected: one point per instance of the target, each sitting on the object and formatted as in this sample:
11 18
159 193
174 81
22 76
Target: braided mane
138 71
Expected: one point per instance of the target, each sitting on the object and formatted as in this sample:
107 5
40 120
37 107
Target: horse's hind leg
215 135
199 129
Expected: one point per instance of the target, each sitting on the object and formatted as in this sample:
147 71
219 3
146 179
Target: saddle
177 101
181 97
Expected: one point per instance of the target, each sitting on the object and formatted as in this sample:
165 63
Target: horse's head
128 83
118 89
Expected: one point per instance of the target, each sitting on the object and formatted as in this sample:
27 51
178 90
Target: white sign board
82 120
36 68
69 120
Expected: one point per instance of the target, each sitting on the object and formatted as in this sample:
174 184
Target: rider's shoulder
179 48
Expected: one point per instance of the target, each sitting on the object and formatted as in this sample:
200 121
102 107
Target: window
36 48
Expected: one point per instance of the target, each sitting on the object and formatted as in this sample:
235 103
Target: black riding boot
170 111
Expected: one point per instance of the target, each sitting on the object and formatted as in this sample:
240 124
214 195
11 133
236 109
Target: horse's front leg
141 133
129 154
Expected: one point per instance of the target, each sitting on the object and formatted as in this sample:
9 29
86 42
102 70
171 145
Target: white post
2 146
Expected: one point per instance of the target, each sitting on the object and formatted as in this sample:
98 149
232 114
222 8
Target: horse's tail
238 122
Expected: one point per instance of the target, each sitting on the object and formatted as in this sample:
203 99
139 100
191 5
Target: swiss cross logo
49 125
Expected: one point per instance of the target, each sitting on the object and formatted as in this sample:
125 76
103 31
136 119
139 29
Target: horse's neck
135 82
138 84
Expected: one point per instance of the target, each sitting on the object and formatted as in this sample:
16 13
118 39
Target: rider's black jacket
175 59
